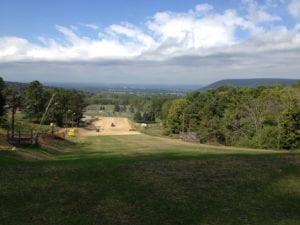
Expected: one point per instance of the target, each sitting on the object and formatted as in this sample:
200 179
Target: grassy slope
148 180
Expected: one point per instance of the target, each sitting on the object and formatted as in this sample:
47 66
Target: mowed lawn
140 179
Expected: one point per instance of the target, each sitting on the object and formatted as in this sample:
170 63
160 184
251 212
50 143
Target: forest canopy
259 117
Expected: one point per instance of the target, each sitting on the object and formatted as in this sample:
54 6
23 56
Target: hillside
250 82
139 179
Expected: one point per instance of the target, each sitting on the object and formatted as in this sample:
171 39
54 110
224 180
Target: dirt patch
109 126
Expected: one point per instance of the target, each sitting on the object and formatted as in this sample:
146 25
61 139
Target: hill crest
250 82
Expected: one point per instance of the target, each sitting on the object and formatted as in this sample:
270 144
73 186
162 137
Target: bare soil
109 126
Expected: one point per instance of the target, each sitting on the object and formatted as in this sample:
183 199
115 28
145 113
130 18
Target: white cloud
258 13
74 27
131 32
69 34
204 7
167 34
200 39
92 26
294 8
274 3
13 48
179 33
297 27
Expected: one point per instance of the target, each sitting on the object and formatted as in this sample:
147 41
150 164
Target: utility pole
13 120
182 122
15 99
43 118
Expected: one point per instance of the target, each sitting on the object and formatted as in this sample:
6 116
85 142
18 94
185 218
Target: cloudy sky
149 41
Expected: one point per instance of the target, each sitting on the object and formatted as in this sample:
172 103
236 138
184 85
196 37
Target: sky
148 42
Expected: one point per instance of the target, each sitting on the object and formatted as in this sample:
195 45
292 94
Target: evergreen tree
137 117
2 97
34 100
116 108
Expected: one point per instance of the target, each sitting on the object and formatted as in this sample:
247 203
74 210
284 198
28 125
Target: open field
109 126
139 179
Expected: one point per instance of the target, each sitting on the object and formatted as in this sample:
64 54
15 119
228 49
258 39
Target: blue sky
166 41
32 18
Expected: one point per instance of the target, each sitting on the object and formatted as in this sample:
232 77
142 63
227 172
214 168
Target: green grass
24 124
153 129
140 179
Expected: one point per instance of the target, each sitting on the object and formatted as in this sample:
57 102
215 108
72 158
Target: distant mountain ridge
123 88
250 82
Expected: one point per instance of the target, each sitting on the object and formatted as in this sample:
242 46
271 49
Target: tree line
144 108
259 117
67 106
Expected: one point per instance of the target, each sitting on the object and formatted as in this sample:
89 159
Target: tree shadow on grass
84 184
156 188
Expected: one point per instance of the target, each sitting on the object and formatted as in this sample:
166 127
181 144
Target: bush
268 137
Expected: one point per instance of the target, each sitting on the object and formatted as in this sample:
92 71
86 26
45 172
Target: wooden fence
25 139
21 139
189 137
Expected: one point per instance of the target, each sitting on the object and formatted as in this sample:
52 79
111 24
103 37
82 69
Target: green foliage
149 117
268 137
117 108
2 84
146 104
290 128
261 117
297 84
156 105
3 101
68 106
165 110
131 109
210 130
137 117
175 115
35 100
2 98
13 101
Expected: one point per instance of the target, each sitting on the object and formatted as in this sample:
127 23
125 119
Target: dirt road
109 126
